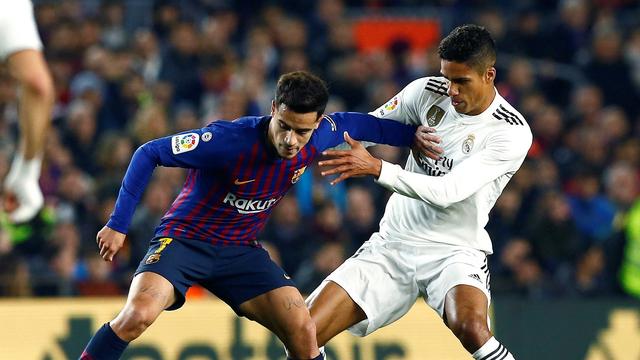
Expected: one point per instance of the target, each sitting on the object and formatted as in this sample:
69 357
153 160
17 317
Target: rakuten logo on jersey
249 206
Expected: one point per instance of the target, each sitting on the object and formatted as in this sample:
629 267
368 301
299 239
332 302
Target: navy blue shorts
235 274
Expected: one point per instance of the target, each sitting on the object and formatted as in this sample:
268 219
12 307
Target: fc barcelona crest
152 259
434 115
297 174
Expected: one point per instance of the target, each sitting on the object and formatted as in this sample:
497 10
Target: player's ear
273 107
318 120
490 75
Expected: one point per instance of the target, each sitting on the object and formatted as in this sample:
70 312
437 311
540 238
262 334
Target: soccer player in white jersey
432 242
20 47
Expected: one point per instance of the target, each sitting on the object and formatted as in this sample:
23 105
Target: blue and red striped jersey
235 176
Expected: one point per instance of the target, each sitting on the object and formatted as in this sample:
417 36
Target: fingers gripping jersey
449 200
235 178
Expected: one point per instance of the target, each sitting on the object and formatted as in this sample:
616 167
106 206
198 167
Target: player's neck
269 142
486 102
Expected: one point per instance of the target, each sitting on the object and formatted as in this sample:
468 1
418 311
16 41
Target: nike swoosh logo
239 182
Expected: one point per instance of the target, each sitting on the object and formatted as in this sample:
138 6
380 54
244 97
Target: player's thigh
279 310
244 273
459 268
380 280
175 264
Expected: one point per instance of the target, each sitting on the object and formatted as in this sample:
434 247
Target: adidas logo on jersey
475 277
505 115
248 206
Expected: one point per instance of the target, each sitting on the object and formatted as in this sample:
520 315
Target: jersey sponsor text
249 206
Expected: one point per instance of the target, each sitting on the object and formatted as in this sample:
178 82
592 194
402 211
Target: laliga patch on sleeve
390 106
184 142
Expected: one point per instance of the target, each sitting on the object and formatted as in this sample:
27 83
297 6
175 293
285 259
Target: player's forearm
134 183
464 180
365 127
418 186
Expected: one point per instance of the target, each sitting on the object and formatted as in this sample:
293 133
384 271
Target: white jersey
448 200
18 30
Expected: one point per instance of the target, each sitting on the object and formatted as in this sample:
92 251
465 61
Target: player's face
471 92
289 131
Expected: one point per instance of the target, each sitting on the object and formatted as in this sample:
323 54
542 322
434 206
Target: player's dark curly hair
302 92
469 44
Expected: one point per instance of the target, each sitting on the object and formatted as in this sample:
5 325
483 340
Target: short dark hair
302 92
470 44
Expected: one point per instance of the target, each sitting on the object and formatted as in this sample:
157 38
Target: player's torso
460 138
230 204
255 184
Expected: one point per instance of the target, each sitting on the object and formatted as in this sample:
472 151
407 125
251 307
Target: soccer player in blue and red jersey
237 172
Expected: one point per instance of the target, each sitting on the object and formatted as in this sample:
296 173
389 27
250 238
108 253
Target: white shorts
385 278
18 30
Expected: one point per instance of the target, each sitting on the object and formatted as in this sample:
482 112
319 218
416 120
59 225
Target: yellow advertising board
58 329
621 340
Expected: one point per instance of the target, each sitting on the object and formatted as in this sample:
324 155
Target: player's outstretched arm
194 149
359 162
504 154
109 242
404 107
362 127
355 162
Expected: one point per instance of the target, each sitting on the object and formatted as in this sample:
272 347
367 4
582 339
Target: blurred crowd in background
130 71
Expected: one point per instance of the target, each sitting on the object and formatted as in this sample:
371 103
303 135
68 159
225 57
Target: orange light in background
378 33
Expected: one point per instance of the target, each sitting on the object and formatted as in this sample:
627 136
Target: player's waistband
212 241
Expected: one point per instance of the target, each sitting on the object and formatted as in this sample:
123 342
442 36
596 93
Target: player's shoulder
508 119
507 115
435 85
327 128
236 133
429 85
239 124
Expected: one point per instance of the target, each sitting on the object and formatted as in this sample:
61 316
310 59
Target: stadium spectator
119 82
317 267
285 229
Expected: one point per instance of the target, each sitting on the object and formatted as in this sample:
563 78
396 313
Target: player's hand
426 142
350 163
110 242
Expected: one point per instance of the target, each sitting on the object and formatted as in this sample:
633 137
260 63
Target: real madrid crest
467 144
297 174
434 115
